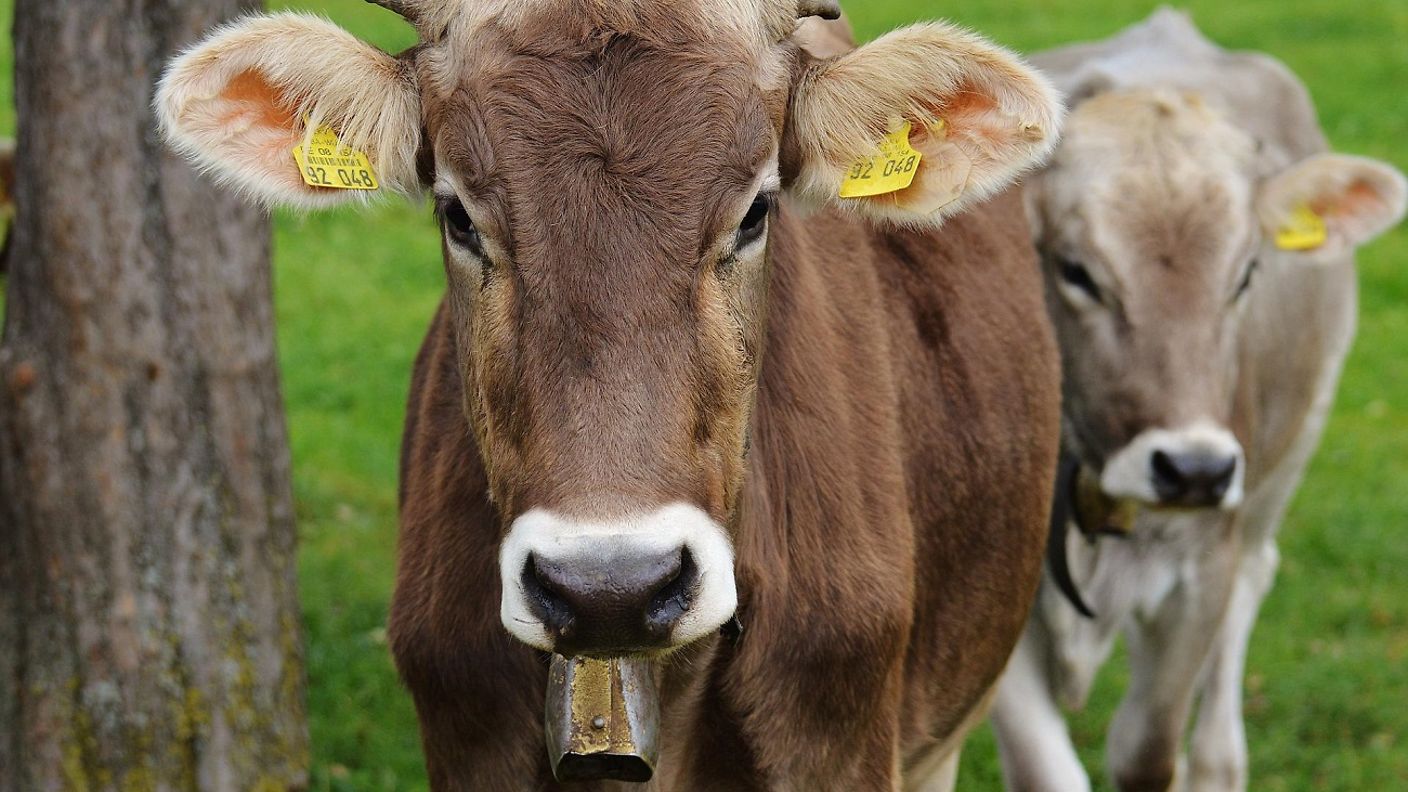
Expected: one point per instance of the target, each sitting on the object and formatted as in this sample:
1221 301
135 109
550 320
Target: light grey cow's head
1154 218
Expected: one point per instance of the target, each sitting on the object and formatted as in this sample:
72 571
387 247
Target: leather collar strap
1064 509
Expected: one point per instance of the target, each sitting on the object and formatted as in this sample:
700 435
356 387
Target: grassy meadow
1327 688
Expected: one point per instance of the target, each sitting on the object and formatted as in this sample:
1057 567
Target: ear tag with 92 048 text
330 164
1304 230
890 169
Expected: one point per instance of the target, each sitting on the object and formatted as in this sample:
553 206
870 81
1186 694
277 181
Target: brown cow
660 393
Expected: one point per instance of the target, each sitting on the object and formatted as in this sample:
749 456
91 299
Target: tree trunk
149 625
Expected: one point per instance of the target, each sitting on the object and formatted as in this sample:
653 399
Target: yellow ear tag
890 169
1304 230
332 165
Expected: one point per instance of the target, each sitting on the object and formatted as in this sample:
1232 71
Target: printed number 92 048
866 170
346 178
334 166
892 167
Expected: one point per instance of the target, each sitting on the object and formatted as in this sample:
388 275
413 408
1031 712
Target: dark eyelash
439 206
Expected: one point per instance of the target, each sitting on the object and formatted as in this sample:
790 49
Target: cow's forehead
478 36
664 133
1156 131
756 20
530 115
748 29
1154 176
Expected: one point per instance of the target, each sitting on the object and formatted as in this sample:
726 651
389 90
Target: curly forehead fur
743 30
1160 167
1156 126
546 102
760 21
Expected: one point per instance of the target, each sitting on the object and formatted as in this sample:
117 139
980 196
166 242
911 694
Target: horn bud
826 9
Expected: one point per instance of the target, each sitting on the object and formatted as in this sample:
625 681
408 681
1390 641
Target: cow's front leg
859 749
818 698
1167 651
1053 668
1219 743
1033 741
481 714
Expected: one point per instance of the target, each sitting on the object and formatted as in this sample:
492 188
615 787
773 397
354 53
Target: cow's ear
239 103
977 116
1328 204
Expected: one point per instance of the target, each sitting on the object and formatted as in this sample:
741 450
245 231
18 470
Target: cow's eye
755 222
1078 276
459 227
1246 280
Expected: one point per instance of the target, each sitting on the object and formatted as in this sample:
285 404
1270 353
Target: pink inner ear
974 116
1353 211
250 98
259 113
1359 200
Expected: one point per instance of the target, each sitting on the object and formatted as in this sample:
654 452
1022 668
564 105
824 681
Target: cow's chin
638 586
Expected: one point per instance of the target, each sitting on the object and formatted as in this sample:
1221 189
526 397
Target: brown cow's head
605 173
1153 218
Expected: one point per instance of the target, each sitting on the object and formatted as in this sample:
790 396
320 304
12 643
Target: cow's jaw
605 557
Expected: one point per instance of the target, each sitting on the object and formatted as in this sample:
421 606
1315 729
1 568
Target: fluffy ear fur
235 104
1357 198
998 118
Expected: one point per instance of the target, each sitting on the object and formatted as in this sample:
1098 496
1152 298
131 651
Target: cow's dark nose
1195 478
612 606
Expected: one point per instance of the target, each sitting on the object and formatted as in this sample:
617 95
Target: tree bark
149 625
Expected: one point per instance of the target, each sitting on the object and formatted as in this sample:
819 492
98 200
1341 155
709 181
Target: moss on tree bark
149 627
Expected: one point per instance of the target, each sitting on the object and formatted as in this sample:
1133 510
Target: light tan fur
235 105
1174 306
998 114
1357 197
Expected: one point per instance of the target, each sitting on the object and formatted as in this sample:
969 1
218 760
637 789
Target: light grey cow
1199 242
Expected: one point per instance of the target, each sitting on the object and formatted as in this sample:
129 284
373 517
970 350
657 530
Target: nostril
546 596
1165 468
1168 478
674 592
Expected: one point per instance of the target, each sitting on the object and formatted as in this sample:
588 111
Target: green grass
1328 677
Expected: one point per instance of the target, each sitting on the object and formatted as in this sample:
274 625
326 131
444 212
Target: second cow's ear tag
890 168
1303 230
329 163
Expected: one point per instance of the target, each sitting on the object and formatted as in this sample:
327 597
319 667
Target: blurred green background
1327 686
